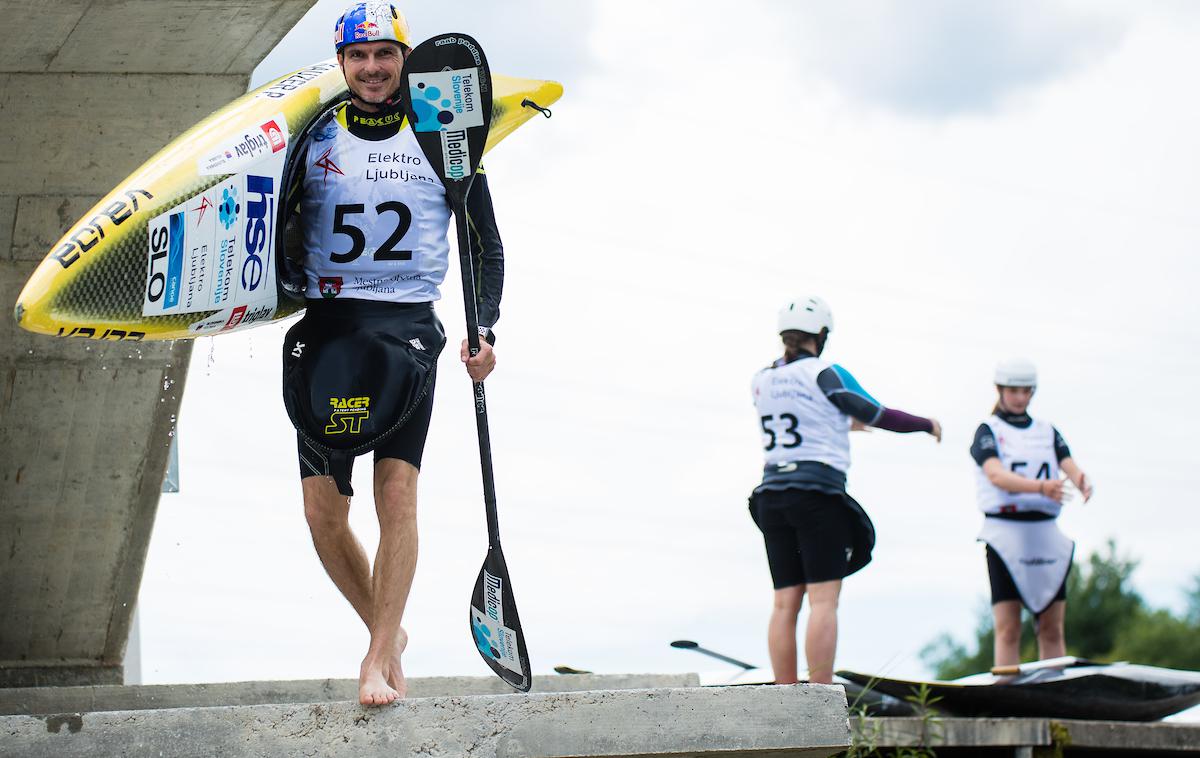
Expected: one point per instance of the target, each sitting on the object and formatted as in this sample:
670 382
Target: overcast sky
961 181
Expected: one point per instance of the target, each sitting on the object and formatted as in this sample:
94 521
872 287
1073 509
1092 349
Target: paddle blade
447 88
495 624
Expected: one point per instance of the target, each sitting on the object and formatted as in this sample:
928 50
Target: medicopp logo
446 100
456 154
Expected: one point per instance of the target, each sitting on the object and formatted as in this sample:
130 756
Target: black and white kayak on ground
1069 688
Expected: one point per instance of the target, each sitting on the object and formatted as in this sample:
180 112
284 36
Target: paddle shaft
459 205
713 654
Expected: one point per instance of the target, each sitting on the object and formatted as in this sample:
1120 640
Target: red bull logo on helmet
370 22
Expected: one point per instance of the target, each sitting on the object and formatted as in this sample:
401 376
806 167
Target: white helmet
1016 372
809 314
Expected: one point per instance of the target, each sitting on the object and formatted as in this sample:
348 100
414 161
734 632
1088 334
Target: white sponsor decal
456 155
293 82
492 637
245 148
451 99
233 318
215 252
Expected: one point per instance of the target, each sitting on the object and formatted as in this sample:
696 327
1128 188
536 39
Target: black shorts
809 535
1003 586
407 444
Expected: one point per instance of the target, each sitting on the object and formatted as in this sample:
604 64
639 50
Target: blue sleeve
844 391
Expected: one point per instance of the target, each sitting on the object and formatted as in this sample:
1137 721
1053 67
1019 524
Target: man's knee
395 490
325 508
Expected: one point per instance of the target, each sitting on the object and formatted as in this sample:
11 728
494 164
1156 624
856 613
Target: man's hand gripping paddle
447 88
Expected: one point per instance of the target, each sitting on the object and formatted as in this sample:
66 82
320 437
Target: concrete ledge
803 720
961 736
43 700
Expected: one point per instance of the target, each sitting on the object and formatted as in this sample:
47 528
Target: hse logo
445 99
260 226
274 136
347 414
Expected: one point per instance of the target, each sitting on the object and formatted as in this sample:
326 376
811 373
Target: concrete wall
88 90
733 722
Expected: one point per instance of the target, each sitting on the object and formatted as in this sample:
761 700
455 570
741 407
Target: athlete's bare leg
781 633
820 641
341 553
1007 616
1052 641
381 679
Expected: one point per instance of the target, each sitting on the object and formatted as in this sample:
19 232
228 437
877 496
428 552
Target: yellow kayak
120 272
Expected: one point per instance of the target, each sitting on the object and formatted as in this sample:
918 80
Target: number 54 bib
374 217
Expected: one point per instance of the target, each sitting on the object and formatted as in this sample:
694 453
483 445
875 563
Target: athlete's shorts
1003 586
407 444
809 535
382 353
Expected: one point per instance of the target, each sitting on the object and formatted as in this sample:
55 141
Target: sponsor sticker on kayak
239 151
215 252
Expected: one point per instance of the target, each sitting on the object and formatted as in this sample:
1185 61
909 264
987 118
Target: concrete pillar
88 90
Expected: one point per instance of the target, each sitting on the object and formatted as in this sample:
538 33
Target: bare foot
373 688
395 674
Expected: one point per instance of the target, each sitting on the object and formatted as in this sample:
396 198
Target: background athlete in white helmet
815 533
1021 494
374 219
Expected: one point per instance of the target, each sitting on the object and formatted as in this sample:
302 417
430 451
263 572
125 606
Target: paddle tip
569 670
685 644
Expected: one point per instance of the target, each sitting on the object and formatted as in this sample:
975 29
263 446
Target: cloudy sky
961 181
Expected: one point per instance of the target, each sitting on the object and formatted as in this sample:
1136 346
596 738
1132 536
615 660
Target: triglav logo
446 99
274 136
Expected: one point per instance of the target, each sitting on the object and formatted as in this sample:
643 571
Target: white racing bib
1036 554
797 421
375 218
1028 452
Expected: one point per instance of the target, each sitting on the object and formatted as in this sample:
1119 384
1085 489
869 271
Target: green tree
1107 620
